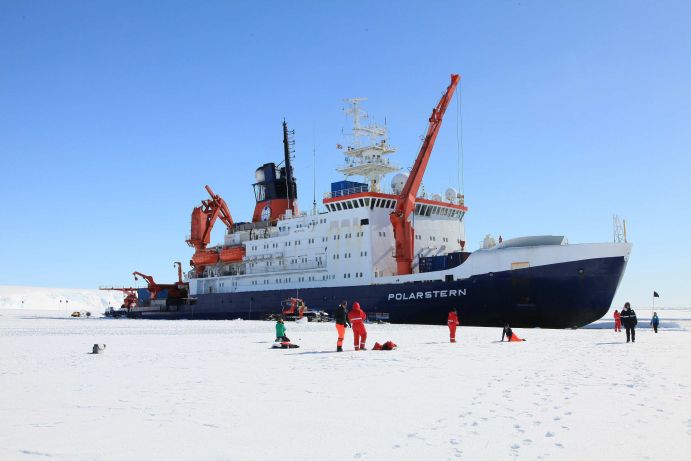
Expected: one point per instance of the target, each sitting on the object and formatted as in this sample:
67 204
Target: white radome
436 197
398 182
451 195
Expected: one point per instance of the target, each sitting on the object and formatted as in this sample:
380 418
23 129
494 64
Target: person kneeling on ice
282 341
357 319
453 323
510 335
281 332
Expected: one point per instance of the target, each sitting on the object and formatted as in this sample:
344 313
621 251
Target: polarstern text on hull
400 253
426 295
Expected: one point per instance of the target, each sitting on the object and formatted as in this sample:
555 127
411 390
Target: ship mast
367 156
287 151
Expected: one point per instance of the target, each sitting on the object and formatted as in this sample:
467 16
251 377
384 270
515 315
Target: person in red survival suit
357 320
453 323
617 320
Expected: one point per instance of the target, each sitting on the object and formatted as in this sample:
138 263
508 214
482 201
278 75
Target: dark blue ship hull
564 295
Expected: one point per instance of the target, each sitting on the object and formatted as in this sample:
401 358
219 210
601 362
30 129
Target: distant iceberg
67 299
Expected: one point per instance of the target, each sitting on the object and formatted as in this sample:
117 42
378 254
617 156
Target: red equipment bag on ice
387 346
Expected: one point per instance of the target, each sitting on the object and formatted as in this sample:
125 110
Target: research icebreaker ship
400 255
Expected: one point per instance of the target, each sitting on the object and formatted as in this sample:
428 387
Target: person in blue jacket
655 321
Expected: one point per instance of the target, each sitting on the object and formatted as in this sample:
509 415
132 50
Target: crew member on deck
357 319
453 323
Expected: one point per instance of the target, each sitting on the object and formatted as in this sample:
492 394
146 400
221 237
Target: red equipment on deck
203 219
402 227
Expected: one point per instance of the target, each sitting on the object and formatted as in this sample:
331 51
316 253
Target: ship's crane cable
459 138
459 147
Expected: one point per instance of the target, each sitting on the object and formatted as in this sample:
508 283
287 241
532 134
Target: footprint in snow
549 434
515 446
359 455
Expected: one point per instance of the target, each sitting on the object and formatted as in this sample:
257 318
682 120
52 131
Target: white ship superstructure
351 241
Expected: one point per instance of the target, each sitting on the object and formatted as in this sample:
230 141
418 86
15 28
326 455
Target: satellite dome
398 182
451 195
436 197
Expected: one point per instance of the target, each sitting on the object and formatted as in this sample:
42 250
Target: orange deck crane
402 227
175 290
130 296
203 219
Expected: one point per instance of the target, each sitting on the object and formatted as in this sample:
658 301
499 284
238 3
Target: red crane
175 290
130 296
179 264
153 287
402 227
203 219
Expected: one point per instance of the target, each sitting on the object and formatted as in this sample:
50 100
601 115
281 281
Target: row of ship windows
420 209
311 241
299 226
311 278
317 259
362 202
348 255
431 237
266 246
429 210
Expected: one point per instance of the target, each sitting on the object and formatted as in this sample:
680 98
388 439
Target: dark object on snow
284 345
387 346
98 348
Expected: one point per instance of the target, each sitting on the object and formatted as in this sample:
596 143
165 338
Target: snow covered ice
214 390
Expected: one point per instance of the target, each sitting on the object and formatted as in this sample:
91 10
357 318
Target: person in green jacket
281 332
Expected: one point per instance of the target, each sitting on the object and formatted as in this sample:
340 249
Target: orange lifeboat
232 254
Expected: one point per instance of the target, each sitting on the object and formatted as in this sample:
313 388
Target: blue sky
113 116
